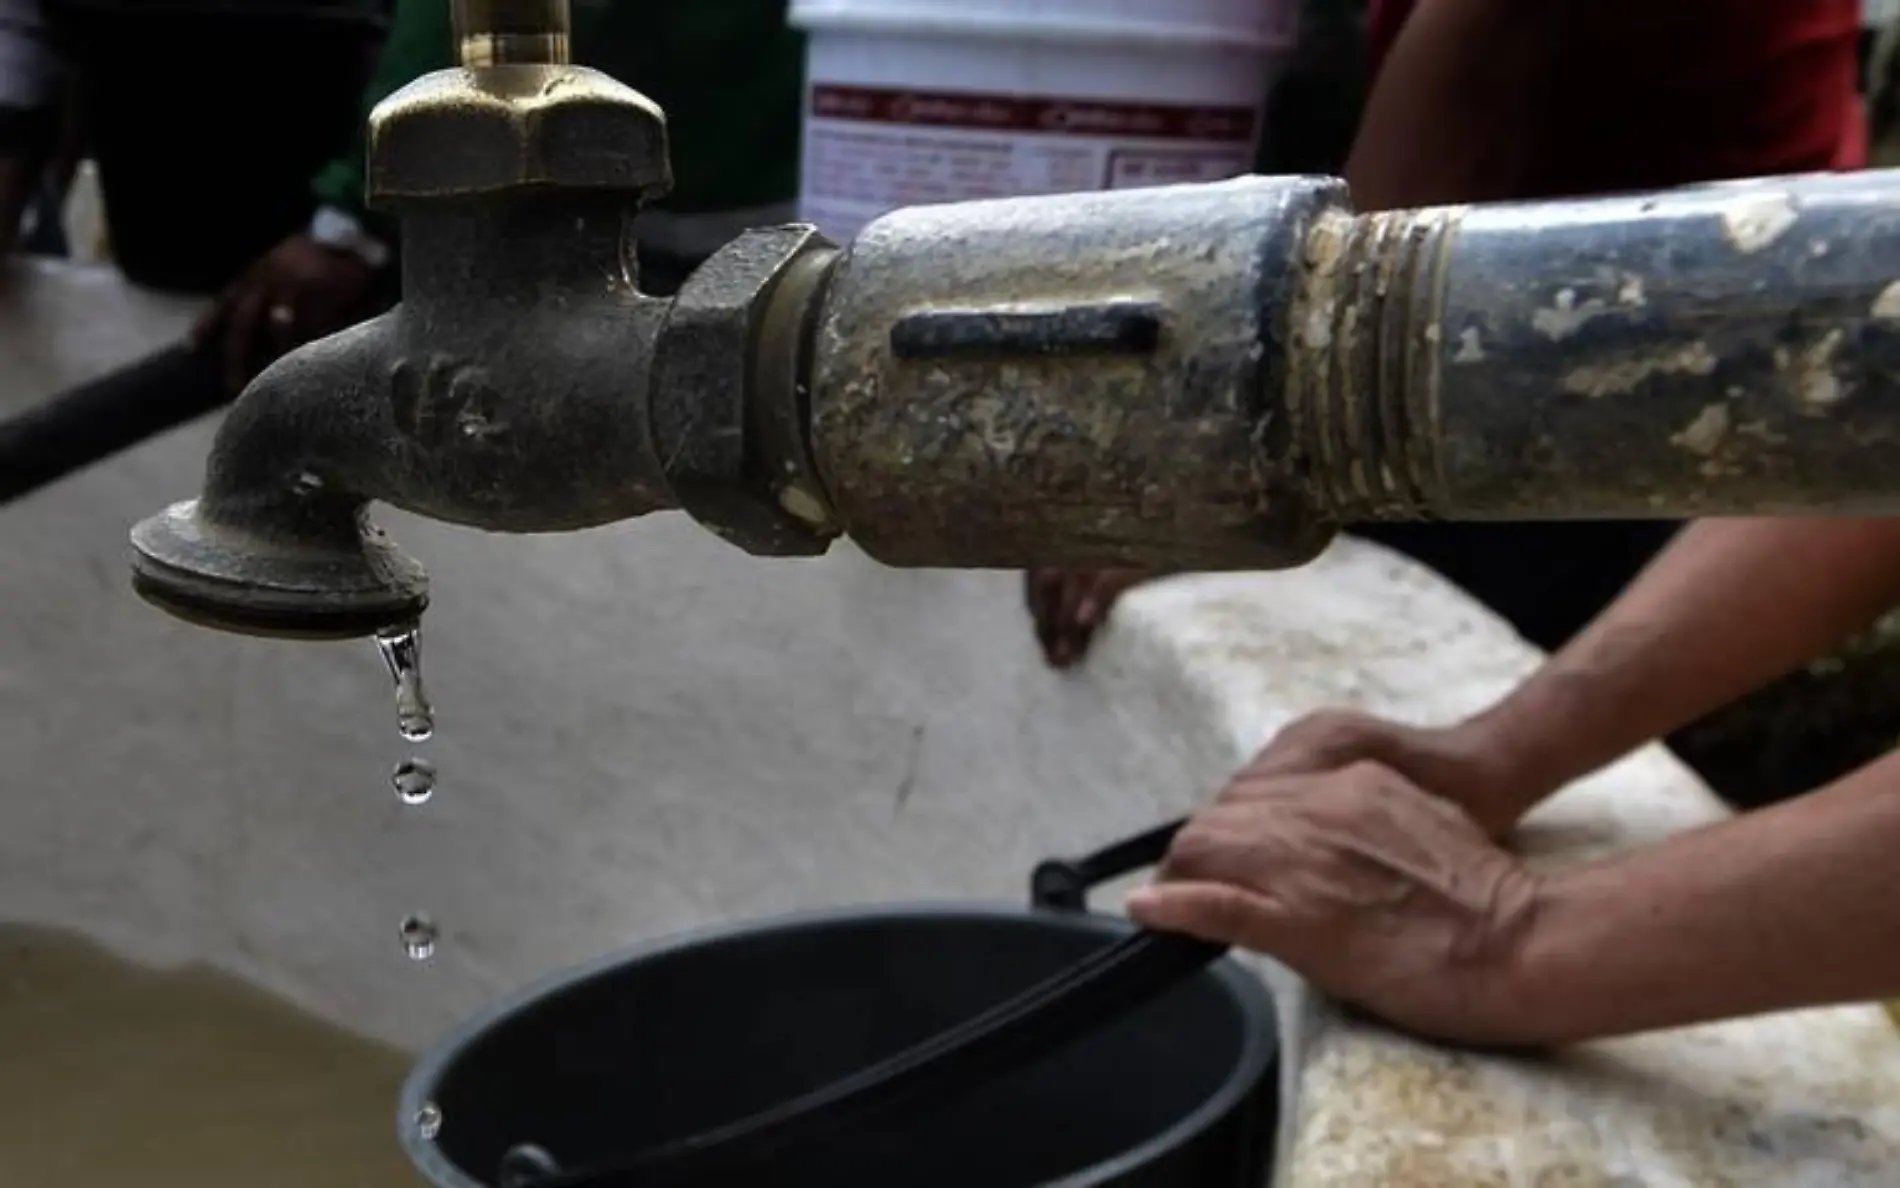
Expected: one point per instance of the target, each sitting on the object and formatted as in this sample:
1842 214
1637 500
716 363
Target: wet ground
114 1075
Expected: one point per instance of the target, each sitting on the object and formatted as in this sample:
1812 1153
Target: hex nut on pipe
707 383
459 133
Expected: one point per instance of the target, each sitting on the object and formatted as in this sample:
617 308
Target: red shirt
1682 91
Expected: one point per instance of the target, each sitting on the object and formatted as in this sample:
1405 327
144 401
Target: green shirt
729 73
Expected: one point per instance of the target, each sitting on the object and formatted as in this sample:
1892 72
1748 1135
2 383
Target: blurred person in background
206 119
31 90
728 73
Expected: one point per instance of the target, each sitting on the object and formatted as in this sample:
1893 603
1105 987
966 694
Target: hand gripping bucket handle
1089 995
1063 884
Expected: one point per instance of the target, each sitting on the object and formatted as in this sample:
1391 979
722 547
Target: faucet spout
476 402
508 391
280 543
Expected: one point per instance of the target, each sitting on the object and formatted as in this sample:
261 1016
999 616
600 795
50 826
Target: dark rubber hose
103 416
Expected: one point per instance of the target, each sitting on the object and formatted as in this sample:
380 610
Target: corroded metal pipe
1721 349
1090 379
1215 376
1198 376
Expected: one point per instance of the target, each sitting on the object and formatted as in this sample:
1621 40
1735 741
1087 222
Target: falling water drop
307 484
418 937
414 781
401 648
429 1121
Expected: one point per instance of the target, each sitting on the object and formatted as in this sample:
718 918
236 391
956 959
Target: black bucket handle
1098 990
1063 884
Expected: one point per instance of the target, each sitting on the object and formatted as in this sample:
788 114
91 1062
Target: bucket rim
822 16
1255 1059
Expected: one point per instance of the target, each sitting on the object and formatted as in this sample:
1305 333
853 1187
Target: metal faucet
1209 376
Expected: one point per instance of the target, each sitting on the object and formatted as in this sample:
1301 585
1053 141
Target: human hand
1069 605
1376 891
1464 764
299 291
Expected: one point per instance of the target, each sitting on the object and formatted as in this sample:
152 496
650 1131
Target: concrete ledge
1807 1099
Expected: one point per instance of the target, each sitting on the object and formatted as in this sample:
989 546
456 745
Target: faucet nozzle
345 582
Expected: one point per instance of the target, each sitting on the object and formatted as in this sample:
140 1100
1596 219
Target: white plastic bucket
922 101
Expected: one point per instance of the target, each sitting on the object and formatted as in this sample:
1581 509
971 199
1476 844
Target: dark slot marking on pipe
1106 328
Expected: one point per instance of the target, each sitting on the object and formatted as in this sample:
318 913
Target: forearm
1728 607
1784 908
1457 104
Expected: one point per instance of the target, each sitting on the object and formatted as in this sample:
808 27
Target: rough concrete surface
1804 1100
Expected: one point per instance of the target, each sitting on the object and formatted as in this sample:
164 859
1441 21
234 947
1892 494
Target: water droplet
418 937
401 649
307 484
429 1121
414 781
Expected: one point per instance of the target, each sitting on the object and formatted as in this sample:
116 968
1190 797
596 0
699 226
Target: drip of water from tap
429 1121
418 937
414 781
401 649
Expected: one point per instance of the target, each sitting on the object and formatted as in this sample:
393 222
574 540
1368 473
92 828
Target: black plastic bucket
693 1033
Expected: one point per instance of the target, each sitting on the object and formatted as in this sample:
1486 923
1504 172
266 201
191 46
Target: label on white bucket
869 150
